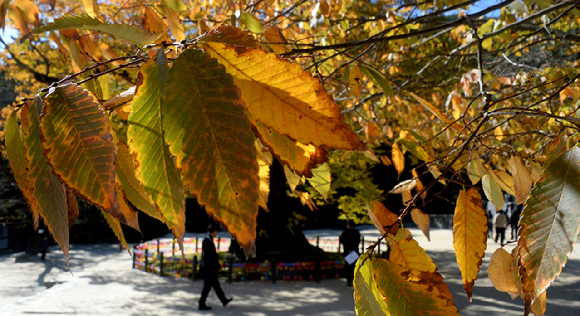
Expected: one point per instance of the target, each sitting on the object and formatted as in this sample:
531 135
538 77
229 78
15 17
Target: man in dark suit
350 239
210 266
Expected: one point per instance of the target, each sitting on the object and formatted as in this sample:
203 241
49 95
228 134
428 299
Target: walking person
515 220
210 267
350 239
501 222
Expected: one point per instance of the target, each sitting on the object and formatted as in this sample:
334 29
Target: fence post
157 246
219 243
231 267
196 242
146 260
173 250
134 255
194 264
363 245
160 263
317 241
274 268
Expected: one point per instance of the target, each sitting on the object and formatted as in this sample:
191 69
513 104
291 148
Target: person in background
500 222
210 266
350 239
489 224
515 220
43 232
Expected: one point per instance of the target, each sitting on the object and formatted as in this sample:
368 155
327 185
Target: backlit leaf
156 167
378 79
47 190
276 40
17 157
298 157
265 160
321 179
3 8
117 229
501 272
419 186
422 220
398 158
228 34
175 25
127 32
469 236
433 109
415 149
475 170
426 294
91 7
550 224
129 213
367 298
504 180
409 255
539 306
383 219
73 122
252 23
355 80
292 178
72 206
492 191
522 179
214 147
281 95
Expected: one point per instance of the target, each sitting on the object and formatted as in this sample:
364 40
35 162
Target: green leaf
133 187
292 178
17 158
117 229
378 79
156 167
550 224
48 192
78 145
127 32
367 299
252 23
415 149
321 179
492 191
211 136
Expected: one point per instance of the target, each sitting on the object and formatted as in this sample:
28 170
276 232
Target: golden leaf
398 158
504 180
522 179
501 273
422 220
469 236
355 81
383 219
492 191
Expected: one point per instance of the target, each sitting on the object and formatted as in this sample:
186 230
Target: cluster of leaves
206 93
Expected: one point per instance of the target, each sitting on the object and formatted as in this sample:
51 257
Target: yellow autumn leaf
504 180
492 191
433 109
276 40
175 25
398 158
355 81
383 219
522 179
409 255
469 236
422 220
539 305
283 96
419 185
501 273
475 170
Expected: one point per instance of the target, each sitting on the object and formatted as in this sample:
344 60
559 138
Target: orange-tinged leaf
298 157
536 170
117 229
17 158
276 40
501 273
282 95
422 220
153 23
419 186
73 207
175 25
228 34
16 15
78 145
469 236
492 191
156 167
433 109
91 8
522 179
403 295
550 224
129 213
48 192
398 158
28 10
383 219
215 147
355 80
4 4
